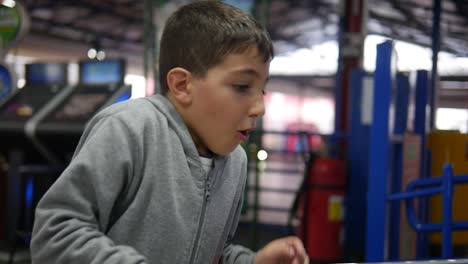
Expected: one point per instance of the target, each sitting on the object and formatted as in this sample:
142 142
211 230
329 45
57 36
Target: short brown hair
199 35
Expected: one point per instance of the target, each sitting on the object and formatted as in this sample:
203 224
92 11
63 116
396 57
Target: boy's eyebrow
250 71
247 71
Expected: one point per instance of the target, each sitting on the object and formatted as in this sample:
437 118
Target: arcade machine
54 131
44 83
14 21
101 83
7 84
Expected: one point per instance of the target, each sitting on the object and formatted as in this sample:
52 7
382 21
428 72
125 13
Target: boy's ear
178 80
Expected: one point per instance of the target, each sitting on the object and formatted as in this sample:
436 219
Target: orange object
452 147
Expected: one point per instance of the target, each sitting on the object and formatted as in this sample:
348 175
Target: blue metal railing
430 186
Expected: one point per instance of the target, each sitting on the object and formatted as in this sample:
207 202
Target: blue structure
378 237
420 128
379 154
427 187
370 150
362 119
374 153
357 157
396 152
386 154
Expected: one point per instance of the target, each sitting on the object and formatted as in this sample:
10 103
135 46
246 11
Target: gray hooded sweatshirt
136 192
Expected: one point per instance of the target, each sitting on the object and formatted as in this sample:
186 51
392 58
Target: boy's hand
288 250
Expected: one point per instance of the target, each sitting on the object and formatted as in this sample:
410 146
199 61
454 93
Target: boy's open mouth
244 132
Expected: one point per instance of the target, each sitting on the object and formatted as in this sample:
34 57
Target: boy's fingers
286 250
300 253
299 247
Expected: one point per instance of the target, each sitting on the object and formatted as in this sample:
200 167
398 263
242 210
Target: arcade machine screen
6 82
101 72
43 80
96 77
46 73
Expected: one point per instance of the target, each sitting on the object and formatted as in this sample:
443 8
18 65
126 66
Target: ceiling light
92 53
9 3
101 55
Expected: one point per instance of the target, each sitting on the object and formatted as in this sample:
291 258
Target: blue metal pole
437 10
399 128
401 104
447 196
378 155
414 194
420 128
422 85
357 157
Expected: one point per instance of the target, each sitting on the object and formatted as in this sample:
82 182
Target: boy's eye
243 88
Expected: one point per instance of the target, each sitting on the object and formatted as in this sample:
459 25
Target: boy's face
227 101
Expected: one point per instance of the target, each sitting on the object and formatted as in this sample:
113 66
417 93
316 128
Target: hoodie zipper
206 199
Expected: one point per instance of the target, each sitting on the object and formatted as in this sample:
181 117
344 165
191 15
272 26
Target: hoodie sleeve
236 254
72 217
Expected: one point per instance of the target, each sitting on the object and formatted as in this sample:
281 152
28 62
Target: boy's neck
207 154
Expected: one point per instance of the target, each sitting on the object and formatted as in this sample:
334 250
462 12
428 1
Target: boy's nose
258 107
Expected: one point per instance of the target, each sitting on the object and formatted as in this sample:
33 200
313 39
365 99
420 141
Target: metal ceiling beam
83 17
98 9
106 9
31 5
113 47
429 9
409 16
124 21
444 48
93 10
321 9
86 31
388 22
461 10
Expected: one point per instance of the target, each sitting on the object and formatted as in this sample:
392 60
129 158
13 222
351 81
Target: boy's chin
223 151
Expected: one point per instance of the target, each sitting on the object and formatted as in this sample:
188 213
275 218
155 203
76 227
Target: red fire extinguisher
320 209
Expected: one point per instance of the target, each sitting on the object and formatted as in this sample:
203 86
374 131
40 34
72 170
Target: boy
160 179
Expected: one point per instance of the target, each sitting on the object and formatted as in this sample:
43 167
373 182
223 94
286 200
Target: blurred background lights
101 55
262 155
92 53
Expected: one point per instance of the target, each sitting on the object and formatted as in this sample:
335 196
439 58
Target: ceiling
306 22
67 28
115 24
